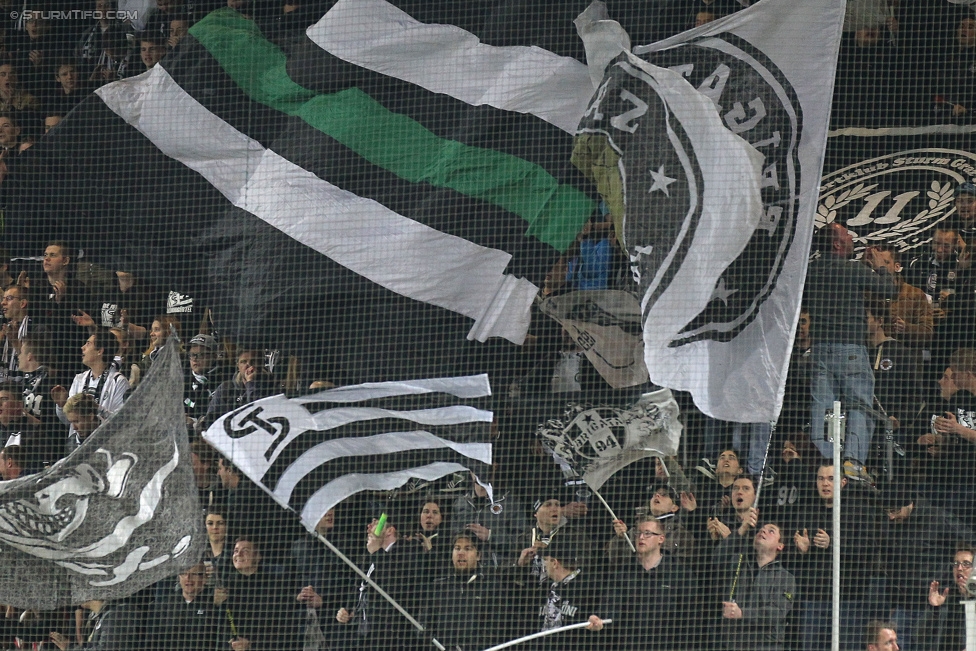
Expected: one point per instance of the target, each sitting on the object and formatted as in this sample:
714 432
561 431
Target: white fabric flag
720 282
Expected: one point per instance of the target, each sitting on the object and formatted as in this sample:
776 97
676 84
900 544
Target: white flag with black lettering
719 284
312 452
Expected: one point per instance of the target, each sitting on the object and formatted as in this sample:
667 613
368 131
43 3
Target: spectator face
23 359
947 386
216 528
225 473
548 514
825 482
465 556
650 537
11 407
966 33
768 539
887 260
246 558
244 363
803 326
51 121
201 359
887 641
151 53
8 469
192 581
728 463
966 203
14 307
703 18
67 76
662 503
743 494
843 242
9 133
35 27
83 424
55 261
327 523
867 36
157 336
90 355
430 516
8 80
178 29
943 244
962 569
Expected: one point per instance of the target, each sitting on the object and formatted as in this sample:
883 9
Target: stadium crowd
727 546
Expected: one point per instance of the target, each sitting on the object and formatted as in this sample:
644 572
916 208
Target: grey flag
118 514
594 442
606 324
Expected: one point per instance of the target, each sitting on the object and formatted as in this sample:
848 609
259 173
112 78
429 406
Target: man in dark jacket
812 564
653 582
573 595
186 620
943 626
760 590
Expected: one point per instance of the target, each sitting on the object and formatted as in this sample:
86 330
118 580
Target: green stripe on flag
554 212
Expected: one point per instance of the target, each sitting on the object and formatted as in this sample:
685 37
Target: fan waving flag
719 277
310 453
114 516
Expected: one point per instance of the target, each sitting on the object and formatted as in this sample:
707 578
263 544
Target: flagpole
615 518
551 631
379 590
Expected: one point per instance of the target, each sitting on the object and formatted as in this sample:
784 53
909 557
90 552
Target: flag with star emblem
708 148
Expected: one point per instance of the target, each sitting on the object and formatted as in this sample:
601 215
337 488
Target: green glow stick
379 525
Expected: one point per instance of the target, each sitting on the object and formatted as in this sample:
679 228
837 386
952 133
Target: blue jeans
756 435
842 372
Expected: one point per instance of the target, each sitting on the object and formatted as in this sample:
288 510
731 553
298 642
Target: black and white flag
720 285
118 514
596 441
310 453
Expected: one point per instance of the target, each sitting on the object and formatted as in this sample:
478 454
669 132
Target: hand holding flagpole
615 518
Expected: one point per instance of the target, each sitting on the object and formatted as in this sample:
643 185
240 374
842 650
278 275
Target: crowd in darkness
727 546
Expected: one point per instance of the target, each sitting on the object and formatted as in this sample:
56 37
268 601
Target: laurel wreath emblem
941 199
827 211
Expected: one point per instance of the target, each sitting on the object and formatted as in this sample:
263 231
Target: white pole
551 631
837 432
970 608
614 516
372 584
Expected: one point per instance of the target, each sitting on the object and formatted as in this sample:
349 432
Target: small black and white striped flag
310 453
